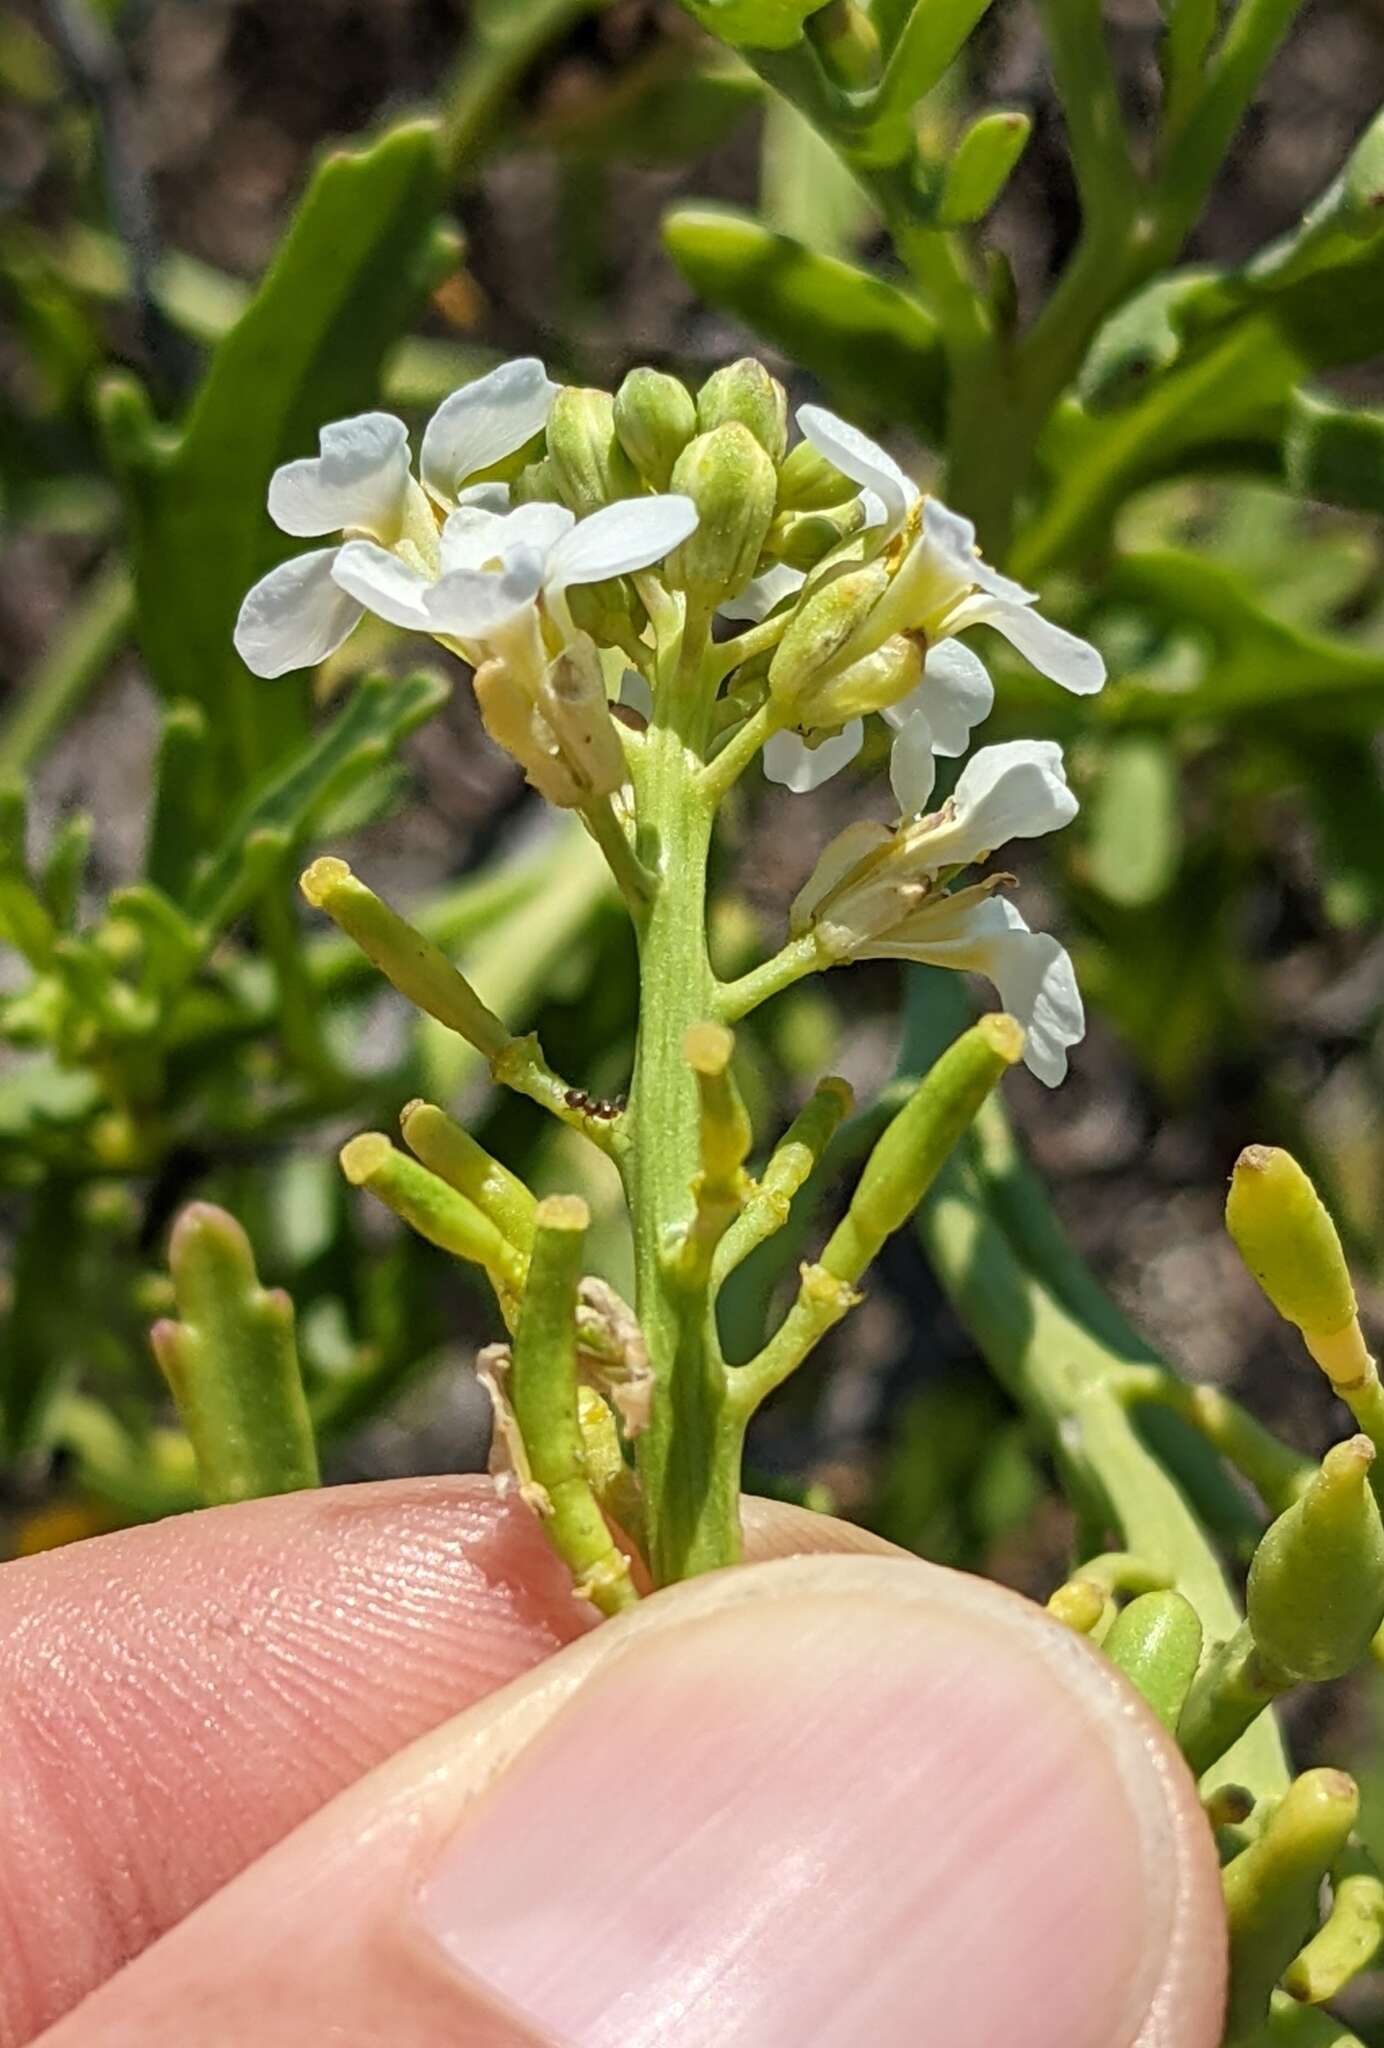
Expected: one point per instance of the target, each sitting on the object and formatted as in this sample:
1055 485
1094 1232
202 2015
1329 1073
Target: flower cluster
565 541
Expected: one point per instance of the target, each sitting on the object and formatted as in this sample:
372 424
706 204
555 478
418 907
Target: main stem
688 1457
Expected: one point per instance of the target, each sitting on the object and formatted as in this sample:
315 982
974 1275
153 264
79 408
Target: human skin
357 1767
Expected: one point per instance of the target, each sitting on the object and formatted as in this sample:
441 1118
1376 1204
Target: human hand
838 1799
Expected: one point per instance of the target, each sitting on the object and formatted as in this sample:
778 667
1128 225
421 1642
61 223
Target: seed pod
809 483
1273 1888
745 391
731 481
589 466
1156 1642
1285 1236
655 419
821 627
1315 1596
870 684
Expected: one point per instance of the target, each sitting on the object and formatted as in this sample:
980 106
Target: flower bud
1284 1235
731 481
871 684
655 419
809 483
745 391
535 483
612 613
589 466
803 539
821 627
1315 1594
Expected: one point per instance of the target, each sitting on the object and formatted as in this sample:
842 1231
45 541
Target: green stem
720 776
632 878
687 1457
799 957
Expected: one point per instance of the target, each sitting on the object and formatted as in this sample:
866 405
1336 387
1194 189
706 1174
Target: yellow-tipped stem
1352 1936
1080 1605
792 1160
455 1156
1287 1239
436 1211
1272 1891
721 1186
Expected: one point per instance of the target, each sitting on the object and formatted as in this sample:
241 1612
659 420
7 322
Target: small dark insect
594 1105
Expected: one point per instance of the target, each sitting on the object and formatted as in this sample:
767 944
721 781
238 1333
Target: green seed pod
589 466
821 627
1315 1596
745 391
655 419
871 684
1273 1889
809 483
1156 1642
536 483
1285 1236
731 481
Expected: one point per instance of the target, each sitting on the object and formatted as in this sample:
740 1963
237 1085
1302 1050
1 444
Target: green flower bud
821 627
611 612
1315 1596
536 483
809 483
590 467
803 539
731 481
870 684
655 419
1284 1235
745 391
1156 1642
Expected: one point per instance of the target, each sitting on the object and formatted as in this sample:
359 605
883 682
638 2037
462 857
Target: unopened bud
803 539
731 481
1285 1236
536 483
655 419
1315 1594
745 391
589 466
848 43
821 627
612 613
809 483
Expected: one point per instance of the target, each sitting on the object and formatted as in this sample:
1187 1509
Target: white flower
801 765
758 599
359 485
878 893
941 588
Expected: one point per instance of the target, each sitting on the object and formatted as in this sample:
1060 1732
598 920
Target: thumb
836 1799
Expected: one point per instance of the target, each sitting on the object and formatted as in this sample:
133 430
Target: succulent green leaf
754 24
1335 452
1156 1642
307 350
982 165
872 345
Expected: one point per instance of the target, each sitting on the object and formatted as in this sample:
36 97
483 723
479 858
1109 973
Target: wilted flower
360 486
881 893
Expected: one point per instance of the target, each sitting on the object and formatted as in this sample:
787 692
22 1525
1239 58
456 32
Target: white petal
874 511
470 537
956 695
635 692
492 497
834 863
790 761
295 616
1053 651
956 537
482 423
912 770
758 599
1015 791
358 480
859 458
386 586
473 604
618 539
